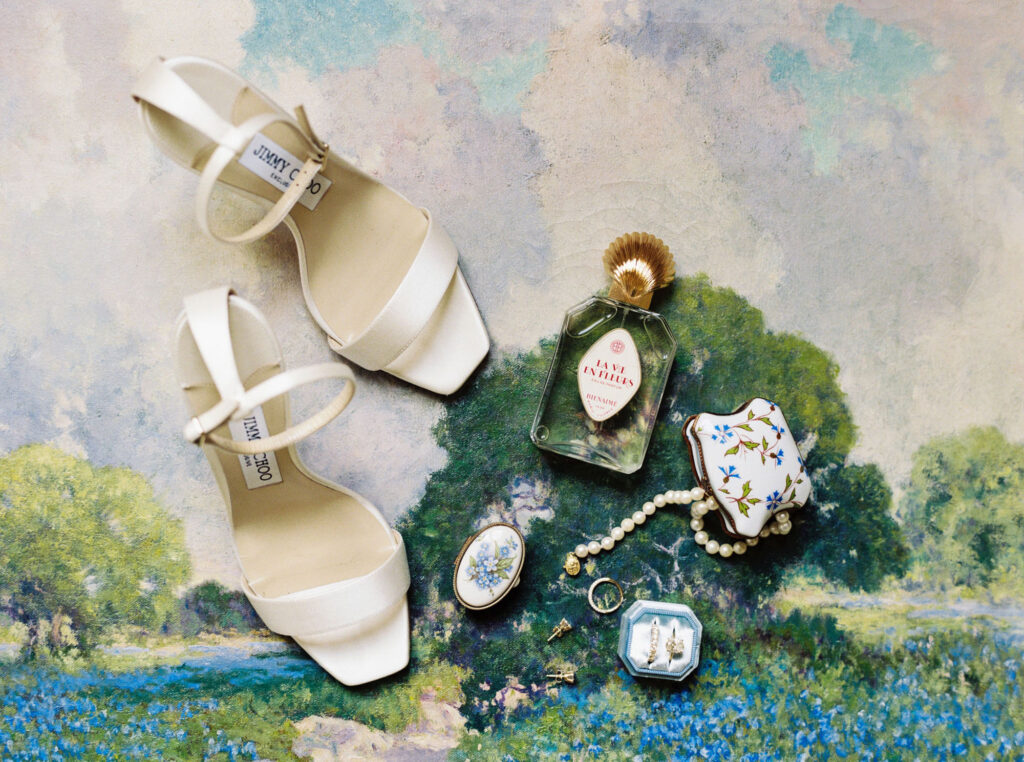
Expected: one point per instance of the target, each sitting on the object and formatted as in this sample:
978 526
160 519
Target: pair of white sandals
319 562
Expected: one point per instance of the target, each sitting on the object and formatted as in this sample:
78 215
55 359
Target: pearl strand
628 524
780 525
700 506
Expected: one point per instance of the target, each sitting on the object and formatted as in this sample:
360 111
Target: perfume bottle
611 364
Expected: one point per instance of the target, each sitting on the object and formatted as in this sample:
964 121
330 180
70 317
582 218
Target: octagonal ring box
749 461
488 566
676 641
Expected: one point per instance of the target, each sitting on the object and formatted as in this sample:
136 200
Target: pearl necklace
700 505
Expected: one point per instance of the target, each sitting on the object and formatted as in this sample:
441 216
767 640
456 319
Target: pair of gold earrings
567 675
674 646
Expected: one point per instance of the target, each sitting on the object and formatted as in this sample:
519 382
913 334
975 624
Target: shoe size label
259 470
269 161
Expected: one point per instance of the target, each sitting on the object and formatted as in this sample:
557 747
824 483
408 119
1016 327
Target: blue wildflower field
185 711
215 703
933 697
938 695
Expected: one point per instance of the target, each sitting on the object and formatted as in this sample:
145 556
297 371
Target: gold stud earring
563 675
560 629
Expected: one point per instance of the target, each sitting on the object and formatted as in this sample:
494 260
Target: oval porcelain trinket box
488 566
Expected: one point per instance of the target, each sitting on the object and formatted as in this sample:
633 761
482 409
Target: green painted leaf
733 450
751 445
744 426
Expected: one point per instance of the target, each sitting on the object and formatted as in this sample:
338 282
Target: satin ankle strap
225 154
200 429
207 315
161 87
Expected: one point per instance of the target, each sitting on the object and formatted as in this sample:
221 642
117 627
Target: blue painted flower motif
488 568
778 457
723 433
779 430
731 473
773 501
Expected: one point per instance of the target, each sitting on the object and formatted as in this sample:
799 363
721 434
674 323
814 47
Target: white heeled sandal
380 277
319 562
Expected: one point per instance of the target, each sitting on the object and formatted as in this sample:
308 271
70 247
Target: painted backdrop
842 186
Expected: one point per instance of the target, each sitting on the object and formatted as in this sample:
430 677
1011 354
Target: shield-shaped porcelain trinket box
749 461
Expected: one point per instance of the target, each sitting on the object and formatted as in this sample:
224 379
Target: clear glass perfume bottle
611 364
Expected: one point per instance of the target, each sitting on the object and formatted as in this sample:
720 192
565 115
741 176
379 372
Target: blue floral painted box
488 566
749 461
661 640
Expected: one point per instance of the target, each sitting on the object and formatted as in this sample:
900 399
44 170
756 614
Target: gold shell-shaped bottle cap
639 264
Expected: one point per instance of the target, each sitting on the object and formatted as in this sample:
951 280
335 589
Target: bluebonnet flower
54 715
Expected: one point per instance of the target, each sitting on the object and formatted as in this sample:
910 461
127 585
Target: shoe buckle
321 147
202 425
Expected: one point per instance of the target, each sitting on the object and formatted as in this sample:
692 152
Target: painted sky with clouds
854 170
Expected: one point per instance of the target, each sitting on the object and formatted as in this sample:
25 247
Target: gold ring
602 581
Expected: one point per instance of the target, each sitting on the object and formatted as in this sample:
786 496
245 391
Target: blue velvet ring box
660 640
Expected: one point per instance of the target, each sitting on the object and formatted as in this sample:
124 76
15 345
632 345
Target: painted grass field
883 684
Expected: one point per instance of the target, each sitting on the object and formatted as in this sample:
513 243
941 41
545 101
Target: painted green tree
495 472
83 549
964 511
211 607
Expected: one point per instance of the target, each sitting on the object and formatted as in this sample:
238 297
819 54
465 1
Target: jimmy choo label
609 374
259 470
278 167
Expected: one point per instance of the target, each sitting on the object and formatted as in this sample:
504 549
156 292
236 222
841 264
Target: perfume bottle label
609 374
